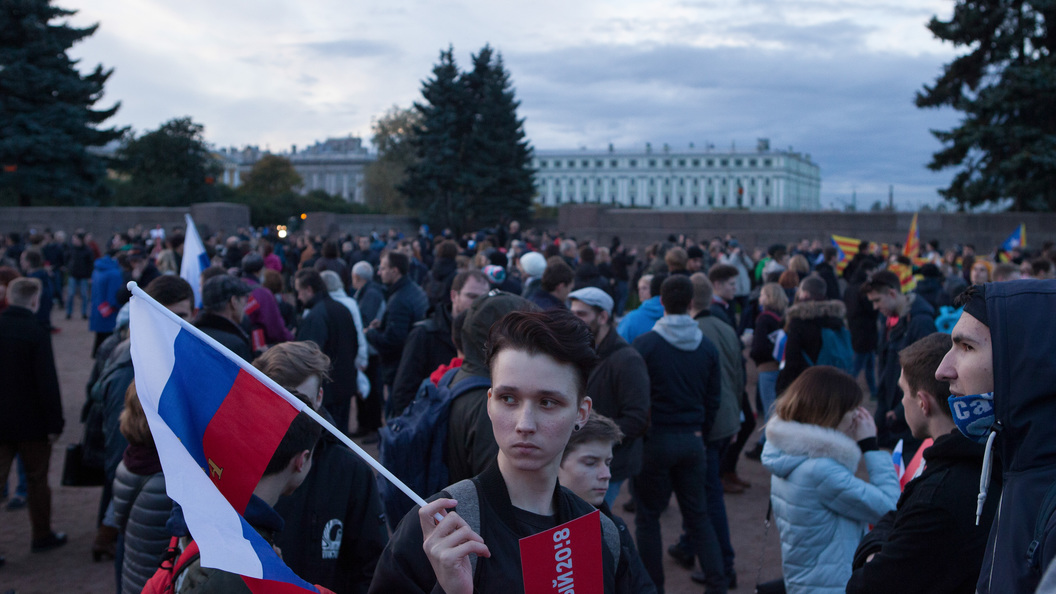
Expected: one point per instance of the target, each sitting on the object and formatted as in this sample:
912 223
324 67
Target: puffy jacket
822 510
141 509
805 323
1023 333
641 320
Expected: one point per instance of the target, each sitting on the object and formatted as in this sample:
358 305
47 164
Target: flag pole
267 381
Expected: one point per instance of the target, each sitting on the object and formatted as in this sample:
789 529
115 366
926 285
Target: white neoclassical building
336 166
679 179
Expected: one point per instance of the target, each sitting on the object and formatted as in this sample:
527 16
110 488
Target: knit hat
496 274
534 264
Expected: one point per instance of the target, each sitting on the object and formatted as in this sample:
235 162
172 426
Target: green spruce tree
435 187
1005 87
47 120
500 173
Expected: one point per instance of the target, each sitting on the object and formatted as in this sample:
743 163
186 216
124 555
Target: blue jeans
676 462
21 488
621 298
80 286
866 361
767 386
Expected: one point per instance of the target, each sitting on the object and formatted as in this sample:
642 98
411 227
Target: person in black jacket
30 404
862 323
909 318
827 271
223 303
429 345
79 264
931 542
330 325
539 363
335 528
805 321
685 394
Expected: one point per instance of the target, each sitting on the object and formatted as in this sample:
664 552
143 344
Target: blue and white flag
195 260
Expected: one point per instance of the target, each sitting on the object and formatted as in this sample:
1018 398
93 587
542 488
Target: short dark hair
330 250
676 293
676 258
586 254
830 252
463 277
310 277
212 271
302 435
881 281
919 362
597 428
721 272
656 282
557 333
33 258
556 273
446 249
814 286
291 363
1040 266
398 261
170 289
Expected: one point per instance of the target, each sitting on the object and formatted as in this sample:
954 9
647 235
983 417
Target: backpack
835 350
465 492
172 565
412 445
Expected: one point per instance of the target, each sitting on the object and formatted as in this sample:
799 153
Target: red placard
105 309
259 342
566 559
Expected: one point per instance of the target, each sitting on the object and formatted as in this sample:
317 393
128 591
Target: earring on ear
576 428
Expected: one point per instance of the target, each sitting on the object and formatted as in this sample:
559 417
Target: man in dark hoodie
931 543
685 391
471 445
907 318
1003 383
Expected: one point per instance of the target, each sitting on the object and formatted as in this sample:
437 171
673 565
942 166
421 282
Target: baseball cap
593 297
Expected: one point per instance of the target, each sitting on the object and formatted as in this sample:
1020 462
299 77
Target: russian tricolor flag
195 259
216 424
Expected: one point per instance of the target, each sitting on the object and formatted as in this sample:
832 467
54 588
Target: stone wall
331 225
637 227
210 217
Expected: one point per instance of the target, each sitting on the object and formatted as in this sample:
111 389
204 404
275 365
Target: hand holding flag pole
271 384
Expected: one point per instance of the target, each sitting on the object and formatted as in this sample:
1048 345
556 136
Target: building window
571 164
711 162
614 163
766 200
711 200
633 163
542 163
652 162
681 162
724 201
667 162
724 162
766 162
737 162
586 163
557 164
599 163
696 162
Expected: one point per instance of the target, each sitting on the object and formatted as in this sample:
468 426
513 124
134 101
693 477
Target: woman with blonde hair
141 506
773 301
817 435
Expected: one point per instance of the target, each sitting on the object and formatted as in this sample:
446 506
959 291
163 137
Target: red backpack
172 565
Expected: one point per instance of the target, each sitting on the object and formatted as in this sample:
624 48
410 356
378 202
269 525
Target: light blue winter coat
821 509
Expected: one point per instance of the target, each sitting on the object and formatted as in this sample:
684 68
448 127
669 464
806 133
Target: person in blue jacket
107 280
1003 393
642 320
814 440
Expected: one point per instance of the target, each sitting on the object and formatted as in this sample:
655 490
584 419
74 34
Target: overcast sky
833 78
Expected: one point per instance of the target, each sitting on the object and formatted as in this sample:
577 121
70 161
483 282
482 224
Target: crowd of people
577 388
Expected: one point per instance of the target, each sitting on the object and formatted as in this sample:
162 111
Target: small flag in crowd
216 427
1018 239
912 246
916 465
896 457
195 259
847 248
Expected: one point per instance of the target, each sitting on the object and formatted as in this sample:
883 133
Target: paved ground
70 569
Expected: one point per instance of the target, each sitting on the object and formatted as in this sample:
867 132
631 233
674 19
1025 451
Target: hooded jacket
107 280
1023 336
821 509
685 384
641 320
805 321
931 542
731 363
911 327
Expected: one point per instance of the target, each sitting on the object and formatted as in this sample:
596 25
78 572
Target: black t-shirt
532 523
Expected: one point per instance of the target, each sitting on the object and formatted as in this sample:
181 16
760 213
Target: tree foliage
1005 86
47 120
272 176
170 166
392 138
473 162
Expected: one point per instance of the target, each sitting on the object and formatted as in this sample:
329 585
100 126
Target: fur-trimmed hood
789 444
810 310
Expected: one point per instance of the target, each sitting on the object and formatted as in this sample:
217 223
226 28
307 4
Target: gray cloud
352 48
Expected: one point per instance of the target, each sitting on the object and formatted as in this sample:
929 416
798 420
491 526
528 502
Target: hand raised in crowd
448 545
862 425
